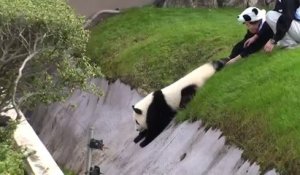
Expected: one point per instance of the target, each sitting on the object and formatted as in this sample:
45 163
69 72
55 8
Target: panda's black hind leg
140 136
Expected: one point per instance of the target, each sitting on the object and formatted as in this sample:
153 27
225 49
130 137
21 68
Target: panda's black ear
136 110
247 17
255 11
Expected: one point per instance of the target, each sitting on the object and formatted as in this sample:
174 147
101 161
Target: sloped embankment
181 149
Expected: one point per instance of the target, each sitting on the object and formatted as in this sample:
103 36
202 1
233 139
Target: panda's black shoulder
157 93
158 96
159 112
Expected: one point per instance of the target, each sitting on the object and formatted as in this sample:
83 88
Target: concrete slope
181 149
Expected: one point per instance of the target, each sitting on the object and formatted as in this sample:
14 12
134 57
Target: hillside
161 44
254 102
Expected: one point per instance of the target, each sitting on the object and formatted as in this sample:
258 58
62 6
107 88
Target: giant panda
154 112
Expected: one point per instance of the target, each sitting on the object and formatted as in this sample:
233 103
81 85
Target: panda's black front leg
140 136
149 137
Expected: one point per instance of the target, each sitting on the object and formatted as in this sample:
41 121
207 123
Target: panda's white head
140 110
251 14
139 119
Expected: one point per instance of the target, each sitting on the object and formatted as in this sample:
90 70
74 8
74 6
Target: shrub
42 55
11 158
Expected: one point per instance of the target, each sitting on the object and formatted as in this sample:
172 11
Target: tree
42 52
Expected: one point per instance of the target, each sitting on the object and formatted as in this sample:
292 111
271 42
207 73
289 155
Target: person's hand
251 40
269 46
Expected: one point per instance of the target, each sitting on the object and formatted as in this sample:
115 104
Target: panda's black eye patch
136 110
246 17
137 122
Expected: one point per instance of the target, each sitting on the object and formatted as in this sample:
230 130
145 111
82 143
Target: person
257 35
285 23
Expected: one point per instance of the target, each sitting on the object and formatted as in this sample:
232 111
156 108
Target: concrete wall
39 161
89 7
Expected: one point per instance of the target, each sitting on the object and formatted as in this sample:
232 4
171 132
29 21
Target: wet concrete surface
181 149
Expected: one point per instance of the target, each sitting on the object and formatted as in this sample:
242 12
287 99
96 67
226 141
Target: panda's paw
219 64
136 140
141 136
143 144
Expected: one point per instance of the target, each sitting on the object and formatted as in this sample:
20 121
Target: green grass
255 102
161 44
68 171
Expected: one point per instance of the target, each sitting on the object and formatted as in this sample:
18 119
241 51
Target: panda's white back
197 77
144 103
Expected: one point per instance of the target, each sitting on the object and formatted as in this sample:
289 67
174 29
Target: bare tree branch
28 95
38 40
14 57
4 52
15 105
6 108
4 103
24 41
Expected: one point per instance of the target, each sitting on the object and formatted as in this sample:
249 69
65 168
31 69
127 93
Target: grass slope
161 44
255 102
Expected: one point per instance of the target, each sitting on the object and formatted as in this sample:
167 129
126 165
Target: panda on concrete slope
154 112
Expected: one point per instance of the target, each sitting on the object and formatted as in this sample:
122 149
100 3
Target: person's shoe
293 46
288 44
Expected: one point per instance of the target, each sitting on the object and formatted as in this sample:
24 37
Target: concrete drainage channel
39 160
181 149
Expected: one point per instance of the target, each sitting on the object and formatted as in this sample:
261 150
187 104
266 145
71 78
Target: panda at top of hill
154 112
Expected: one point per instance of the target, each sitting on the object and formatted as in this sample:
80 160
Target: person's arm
263 37
251 40
269 46
239 46
284 22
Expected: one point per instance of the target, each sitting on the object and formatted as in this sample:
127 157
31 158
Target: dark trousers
237 49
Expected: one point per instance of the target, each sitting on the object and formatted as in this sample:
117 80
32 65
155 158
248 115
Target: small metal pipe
89 151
